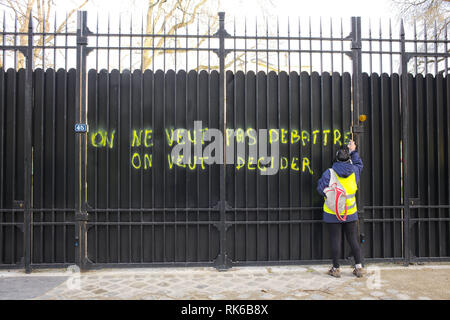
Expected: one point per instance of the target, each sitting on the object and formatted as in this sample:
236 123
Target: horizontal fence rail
112 196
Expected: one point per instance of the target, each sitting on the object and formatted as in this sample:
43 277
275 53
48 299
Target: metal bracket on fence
87 263
222 262
218 225
23 50
83 34
219 203
221 34
89 50
356 45
87 206
358 129
225 52
81 216
349 54
82 40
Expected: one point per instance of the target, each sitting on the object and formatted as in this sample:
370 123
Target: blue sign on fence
80 127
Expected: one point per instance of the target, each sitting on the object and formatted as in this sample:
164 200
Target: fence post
405 141
81 215
28 113
222 261
357 128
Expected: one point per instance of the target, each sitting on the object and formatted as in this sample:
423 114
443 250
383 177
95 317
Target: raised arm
356 160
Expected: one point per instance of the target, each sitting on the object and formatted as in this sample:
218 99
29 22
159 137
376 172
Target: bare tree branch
42 12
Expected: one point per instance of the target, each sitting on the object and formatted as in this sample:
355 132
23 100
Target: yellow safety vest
350 186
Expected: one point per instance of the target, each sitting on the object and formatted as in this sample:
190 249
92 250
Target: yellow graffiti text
136 161
101 139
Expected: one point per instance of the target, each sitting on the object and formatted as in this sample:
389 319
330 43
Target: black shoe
335 272
358 272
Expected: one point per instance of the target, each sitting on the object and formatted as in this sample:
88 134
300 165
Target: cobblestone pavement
381 282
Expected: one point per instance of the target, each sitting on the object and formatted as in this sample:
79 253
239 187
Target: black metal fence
112 196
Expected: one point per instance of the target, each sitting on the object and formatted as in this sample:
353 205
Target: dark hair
343 154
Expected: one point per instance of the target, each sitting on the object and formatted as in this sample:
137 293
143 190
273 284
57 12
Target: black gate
110 194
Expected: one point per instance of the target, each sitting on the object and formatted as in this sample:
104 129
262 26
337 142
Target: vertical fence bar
81 143
222 262
27 148
357 128
404 152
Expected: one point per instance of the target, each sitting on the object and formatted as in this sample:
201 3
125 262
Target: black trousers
351 233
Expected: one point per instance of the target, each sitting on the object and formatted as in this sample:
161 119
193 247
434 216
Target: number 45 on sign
80 127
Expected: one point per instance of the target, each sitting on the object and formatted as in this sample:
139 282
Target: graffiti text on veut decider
144 140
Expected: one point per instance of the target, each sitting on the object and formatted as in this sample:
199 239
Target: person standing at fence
338 186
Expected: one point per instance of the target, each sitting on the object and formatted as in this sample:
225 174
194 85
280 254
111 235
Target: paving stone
138 285
368 298
357 284
177 295
99 291
89 287
164 284
260 279
403 296
162 291
267 296
259 274
392 291
202 286
348 289
377 293
111 294
228 275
